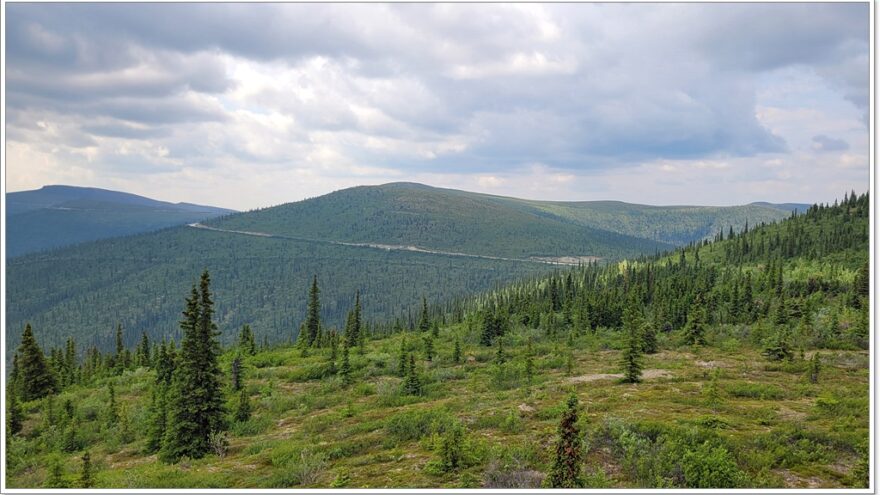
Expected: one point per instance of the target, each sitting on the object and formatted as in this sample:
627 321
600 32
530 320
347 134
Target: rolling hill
56 216
408 213
356 239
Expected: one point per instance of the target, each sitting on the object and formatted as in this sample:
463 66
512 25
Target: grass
771 423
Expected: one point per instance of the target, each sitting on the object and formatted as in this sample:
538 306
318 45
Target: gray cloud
428 88
825 143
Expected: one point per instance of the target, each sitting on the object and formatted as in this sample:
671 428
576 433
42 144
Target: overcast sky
245 106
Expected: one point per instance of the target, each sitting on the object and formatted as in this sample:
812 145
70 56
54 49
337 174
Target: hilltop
56 216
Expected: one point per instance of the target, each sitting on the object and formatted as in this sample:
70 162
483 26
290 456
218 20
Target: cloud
825 143
330 95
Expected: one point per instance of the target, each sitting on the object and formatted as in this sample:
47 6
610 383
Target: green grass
775 427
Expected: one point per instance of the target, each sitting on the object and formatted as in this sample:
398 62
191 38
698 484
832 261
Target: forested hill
55 216
415 214
736 363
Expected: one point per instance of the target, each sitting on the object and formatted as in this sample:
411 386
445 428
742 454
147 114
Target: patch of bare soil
794 480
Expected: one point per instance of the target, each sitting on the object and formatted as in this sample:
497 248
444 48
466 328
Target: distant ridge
59 215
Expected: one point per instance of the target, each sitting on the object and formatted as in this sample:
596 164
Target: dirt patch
646 375
526 409
794 480
711 364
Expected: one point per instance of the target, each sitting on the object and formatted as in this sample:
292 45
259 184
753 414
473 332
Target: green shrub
415 425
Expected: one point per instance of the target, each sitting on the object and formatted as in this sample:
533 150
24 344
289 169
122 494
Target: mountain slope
486 224
56 216
85 290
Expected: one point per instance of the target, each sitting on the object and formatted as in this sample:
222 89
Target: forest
736 361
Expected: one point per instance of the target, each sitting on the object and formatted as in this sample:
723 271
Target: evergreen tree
35 379
424 319
243 411
695 329
456 350
195 400
345 367
863 280
56 474
165 363
412 385
569 364
236 373
713 392
119 357
86 477
143 351
631 359
353 327
429 348
815 366
452 448
401 361
246 340
112 407
649 338
567 463
313 319
70 442
158 419
14 416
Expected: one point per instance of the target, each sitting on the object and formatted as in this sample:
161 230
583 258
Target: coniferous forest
735 362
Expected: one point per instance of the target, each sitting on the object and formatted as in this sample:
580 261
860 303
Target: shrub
415 425
711 467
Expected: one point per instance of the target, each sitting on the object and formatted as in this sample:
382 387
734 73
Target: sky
246 106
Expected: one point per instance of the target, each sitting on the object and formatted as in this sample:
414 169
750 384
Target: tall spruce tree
631 359
412 385
313 314
424 319
119 357
14 416
158 419
195 400
566 471
456 350
243 410
695 328
36 379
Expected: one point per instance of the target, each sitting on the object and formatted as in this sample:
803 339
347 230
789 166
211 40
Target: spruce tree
569 456
158 419
236 373
35 379
401 361
86 477
119 357
246 340
649 337
713 392
631 359
56 474
334 351
195 400
429 348
14 416
695 328
313 318
412 385
243 411
456 351
112 416
424 319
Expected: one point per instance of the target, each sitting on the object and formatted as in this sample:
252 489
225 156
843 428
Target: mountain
55 216
395 243
755 373
407 213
